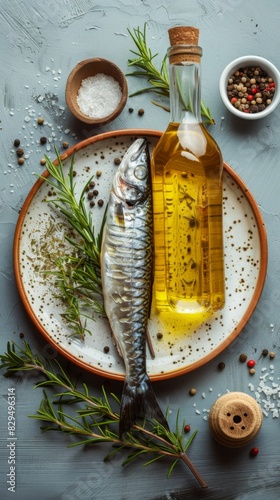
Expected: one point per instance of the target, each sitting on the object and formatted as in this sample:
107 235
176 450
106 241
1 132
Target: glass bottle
187 168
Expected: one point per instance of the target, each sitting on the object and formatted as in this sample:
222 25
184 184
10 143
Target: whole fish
126 270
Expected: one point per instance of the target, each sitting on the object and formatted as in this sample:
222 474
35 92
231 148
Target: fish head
132 180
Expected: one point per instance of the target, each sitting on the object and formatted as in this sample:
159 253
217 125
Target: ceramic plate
40 235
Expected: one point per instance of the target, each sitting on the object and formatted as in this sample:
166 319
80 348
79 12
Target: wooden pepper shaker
235 419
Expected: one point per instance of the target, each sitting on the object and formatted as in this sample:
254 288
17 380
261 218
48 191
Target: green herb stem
95 420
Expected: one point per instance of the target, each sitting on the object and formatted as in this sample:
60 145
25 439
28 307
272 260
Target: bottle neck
184 74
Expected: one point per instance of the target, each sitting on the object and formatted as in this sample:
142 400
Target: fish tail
139 402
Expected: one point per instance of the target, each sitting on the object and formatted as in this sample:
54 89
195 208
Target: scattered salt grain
99 96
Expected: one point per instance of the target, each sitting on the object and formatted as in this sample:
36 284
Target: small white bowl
245 62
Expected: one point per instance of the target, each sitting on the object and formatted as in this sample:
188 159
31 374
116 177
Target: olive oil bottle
187 168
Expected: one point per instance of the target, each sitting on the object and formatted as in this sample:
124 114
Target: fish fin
139 402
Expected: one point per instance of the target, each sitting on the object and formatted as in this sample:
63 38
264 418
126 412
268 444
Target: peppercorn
100 203
90 195
192 391
92 203
159 335
251 363
20 152
91 184
16 143
21 161
272 355
187 428
40 120
130 110
43 140
221 365
254 452
98 173
251 85
95 192
265 352
21 335
252 371
43 161
106 349
65 145
117 161
242 358
141 112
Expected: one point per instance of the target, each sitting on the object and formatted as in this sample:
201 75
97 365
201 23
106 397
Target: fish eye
140 172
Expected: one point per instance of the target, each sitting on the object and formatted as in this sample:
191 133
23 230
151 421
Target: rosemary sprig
96 420
159 79
77 276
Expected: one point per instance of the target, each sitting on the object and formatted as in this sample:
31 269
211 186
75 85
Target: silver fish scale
127 261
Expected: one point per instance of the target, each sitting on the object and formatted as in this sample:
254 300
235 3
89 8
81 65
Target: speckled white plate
40 232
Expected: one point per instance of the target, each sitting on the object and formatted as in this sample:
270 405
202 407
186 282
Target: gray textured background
40 43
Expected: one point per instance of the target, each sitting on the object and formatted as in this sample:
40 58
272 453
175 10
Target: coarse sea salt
99 96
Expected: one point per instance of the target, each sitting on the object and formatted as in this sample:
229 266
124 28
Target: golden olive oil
188 225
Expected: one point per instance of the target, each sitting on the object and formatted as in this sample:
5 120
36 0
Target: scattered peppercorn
221 365
242 358
21 335
92 203
91 184
250 89
130 110
159 335
100 203
265 352
192 391
40 120
65 145
117 161
21 161
272 355
98 173
43 161
43 140
16 143
90 195
252 371
20 152
254 452
141 112
251 363
106 349
187 428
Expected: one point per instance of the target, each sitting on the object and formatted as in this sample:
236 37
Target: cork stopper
235 419
184 44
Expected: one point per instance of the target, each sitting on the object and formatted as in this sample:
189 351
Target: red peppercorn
272 84
233 100
254 452
251 363
187 428
254 90
250 97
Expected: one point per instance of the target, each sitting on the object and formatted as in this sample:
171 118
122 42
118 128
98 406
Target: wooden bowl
85 69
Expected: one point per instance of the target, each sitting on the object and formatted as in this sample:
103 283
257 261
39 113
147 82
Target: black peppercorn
242 358
20 152
221 365
16 143
141 112
43 140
